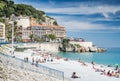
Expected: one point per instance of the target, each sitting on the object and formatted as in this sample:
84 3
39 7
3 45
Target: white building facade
2 32
23 22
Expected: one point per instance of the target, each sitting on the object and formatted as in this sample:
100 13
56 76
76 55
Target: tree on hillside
55 23
7 8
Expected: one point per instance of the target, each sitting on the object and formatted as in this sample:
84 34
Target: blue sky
94 20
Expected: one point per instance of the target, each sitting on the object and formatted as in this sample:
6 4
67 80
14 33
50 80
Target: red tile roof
34 23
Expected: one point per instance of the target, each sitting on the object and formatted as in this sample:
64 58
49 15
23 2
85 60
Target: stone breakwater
82 49
91 49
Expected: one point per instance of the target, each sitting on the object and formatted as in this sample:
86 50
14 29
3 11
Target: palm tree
31 37
65 42
16 31
52 36
9 36
37 38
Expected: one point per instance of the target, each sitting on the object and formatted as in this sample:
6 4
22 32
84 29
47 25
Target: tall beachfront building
39 30
2 32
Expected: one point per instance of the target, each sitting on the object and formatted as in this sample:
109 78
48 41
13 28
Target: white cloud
105 15
79 8
83 25
115 28
76 24
51 2
84 10
72 24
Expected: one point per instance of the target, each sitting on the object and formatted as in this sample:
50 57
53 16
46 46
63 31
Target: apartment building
2 32
40 30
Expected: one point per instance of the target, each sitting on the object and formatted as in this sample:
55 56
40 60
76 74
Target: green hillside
7 8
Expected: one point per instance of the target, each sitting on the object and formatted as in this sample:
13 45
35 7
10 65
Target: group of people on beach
41 58
110 73
34 62
46 57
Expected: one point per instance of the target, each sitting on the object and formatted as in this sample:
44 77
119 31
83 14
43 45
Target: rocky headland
80 49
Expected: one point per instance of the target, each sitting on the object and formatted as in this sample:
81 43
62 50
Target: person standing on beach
26 59
116 67
32 60
36 63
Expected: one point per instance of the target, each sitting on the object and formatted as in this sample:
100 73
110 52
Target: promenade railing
19 63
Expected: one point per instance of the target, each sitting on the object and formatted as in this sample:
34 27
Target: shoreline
83 69
109 58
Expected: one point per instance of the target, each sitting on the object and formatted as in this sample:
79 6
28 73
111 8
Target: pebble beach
85 71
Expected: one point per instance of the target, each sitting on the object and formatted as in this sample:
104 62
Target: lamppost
12 52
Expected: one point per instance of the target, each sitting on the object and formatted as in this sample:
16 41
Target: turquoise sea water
112 56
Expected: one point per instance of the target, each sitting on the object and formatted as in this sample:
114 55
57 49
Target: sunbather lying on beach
111 74
74 75
97 69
